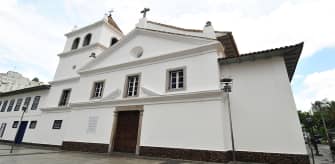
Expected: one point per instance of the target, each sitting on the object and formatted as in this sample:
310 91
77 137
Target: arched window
113 41
87 39
75 43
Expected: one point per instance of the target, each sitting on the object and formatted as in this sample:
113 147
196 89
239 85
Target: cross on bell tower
110 12
144 12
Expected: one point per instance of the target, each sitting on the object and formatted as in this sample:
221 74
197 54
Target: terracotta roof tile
175 27
290 53
112 22
228 42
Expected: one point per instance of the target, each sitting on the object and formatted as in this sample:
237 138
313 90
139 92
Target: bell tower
85 44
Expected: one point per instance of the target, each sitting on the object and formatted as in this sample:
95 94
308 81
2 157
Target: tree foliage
323 108
35 79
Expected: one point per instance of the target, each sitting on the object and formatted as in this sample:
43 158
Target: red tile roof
113 23
227 40
175 27
290 53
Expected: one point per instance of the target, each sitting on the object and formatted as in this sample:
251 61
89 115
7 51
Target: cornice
135 32
17 114
93 25
64 80
56 109
69 34
201 50
212 95
91 46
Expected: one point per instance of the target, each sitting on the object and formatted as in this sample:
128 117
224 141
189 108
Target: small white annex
156 92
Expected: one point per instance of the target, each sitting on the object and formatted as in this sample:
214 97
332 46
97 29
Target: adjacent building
156 92
13 81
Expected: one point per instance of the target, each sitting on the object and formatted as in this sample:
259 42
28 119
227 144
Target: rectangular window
15 124
4 105
97 89
132 85
11 105
35 102
2 129
176 79
64 99
32 124
57 124
26 103
18 104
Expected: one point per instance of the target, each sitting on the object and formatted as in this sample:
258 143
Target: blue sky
34 32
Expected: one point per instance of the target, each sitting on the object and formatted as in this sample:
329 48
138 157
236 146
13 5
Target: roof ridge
175 27
184 29
166 32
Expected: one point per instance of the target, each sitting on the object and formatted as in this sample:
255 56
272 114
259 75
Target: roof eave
291 56
26 90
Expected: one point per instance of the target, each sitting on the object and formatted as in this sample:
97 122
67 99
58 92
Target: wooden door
126 131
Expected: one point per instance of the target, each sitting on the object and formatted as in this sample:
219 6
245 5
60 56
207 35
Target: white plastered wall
101 33
263 108
202 74
78 123
107 34
94 39
68 65
190 125
43 133
153 44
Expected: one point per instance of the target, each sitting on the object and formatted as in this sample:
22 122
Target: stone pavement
38 155
326 156
5 150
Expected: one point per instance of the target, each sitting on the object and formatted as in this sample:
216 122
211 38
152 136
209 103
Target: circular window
137 52
74 67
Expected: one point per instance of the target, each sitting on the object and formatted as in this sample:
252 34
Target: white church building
156 92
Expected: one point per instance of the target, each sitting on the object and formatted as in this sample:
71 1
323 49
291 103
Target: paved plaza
38 155
326 156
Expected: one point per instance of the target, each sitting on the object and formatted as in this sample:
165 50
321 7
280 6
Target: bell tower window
113 41
75 43
87 40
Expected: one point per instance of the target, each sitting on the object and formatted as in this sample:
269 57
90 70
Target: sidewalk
326 156
24 154
20 150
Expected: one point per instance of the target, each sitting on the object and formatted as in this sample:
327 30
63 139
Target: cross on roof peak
144 12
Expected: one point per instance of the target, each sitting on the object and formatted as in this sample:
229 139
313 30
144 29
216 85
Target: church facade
156 92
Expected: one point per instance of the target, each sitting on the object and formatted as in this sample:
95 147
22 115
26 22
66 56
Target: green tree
35 79
326 109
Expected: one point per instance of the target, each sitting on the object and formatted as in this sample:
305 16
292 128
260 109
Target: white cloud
256 24
32 39
316 86
29 41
